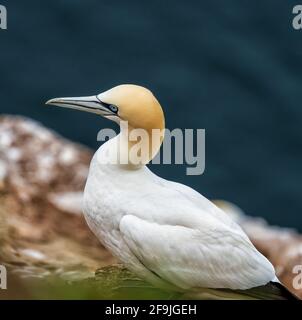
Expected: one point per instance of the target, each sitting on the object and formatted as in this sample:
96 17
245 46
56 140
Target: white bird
165 232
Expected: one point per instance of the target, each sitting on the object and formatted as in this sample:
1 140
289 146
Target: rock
116 282
42 230
44 241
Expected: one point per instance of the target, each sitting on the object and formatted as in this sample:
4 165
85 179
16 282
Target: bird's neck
132 148
138 146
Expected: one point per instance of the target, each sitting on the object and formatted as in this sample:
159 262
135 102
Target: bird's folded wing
191 258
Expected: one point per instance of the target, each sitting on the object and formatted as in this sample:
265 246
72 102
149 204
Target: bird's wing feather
211 256
203 203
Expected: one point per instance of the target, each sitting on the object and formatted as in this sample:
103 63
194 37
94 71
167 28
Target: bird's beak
89 104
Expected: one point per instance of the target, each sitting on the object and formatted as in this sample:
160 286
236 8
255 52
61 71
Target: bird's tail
270 291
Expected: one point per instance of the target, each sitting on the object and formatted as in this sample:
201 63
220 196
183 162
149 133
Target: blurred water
233 68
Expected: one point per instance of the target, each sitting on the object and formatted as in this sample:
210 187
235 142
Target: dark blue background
231 67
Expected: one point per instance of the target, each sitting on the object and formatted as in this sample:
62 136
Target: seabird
165 232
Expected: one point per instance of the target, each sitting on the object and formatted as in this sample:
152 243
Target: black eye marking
113 108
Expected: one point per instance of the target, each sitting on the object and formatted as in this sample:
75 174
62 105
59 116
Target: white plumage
167 232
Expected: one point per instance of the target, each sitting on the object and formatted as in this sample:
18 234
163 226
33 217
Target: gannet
165 232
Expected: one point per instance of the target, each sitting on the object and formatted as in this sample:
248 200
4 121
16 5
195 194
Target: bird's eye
113 108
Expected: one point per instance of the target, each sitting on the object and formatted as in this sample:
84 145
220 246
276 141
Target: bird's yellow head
131 103
135 104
